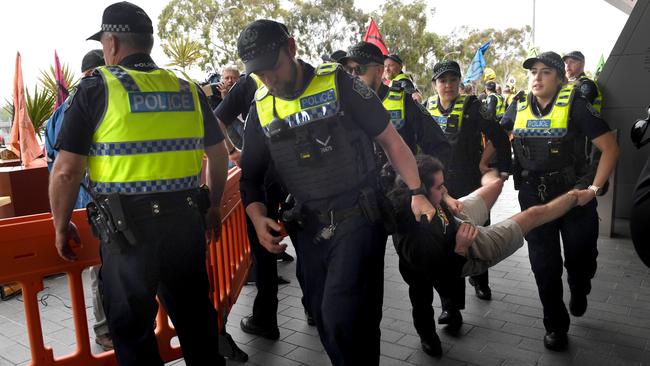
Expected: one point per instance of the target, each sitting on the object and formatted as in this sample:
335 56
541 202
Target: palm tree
183 52
39 108
48 78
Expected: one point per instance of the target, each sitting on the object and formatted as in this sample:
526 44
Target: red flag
22 140
61 84
373 36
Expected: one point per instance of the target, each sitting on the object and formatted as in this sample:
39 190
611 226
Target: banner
475 70
373 36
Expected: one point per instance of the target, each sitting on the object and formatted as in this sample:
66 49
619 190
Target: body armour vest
598 101
544 143
399 77
394 104
318 152
501 106
450 124
150 138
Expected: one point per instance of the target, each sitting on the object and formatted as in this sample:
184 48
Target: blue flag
475 70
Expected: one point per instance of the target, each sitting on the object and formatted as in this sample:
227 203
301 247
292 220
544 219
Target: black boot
248 325
483 291
431 345
556 341
578 304
452 318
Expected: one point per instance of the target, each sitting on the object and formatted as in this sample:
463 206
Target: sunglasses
638 131
359 69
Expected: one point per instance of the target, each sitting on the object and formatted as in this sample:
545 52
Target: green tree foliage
183 52
214 24
403 28
48 78
325 26
505 55
39 108
7 111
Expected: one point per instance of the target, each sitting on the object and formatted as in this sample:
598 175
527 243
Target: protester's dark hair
400 194
138 41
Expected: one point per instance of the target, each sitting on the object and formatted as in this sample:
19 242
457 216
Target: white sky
37 28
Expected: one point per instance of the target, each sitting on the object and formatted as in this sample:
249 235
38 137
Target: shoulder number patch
362 89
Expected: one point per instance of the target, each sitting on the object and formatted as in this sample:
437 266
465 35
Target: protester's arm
499 138
65 178
216 173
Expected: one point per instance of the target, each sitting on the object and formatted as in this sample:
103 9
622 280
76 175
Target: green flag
532 51
599 68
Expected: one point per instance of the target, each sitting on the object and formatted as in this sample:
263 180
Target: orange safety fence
28 255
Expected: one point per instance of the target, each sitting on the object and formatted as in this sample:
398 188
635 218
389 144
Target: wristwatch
420 190
597 190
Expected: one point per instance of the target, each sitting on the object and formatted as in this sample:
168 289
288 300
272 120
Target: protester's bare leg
491 186
539 215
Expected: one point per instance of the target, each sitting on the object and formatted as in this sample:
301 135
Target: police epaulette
327 68
261 92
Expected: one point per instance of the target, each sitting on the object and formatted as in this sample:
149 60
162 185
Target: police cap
550 59
364 53
92 59
491 86
395 58
124 17
259 44
575 55
444 67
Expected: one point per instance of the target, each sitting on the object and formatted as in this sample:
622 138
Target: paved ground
505 331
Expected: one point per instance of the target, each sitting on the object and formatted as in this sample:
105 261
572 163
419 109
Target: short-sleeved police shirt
359 102
88 106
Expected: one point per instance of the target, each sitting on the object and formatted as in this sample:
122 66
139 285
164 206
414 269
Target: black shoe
452 318
248 326
556 341
283 281
483 292
284 257
431 346
310 319
228 349
578 304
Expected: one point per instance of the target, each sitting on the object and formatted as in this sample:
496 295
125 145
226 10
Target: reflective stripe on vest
399 77
151 136
394 104
318 101
501 106
458 110
552 125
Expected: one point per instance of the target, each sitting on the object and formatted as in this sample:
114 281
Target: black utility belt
166 204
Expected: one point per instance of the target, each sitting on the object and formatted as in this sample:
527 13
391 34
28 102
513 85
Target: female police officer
550 125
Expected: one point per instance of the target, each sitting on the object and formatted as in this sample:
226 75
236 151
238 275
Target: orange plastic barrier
28 254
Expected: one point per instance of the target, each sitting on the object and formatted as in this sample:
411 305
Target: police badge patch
362 88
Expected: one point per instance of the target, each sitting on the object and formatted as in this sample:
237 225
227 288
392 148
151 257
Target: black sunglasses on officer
359 70
638 131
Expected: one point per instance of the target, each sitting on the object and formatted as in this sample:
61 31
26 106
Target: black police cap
574 54
550 59
395 58
364 53
491 86
124 17
444 67
259 44
92 59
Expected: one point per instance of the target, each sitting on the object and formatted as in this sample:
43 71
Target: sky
37 28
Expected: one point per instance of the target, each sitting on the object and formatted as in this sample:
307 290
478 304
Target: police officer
409 118
153 218
495 103
394 74
263 321
574 62
550 124
317 127
465 121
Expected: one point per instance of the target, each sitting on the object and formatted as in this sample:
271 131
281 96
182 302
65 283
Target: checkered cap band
149 186
116 28
543 133
366 56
